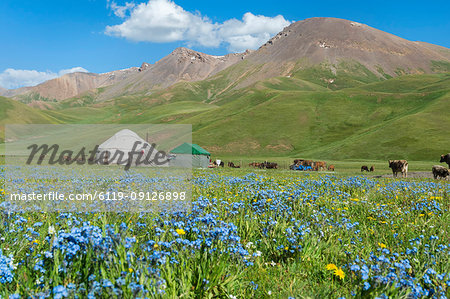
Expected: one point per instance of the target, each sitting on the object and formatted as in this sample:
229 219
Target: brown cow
268 165
440 171
364 168
231 164
371 168
271 165
331 168
320 165
446 159
254 164
399 166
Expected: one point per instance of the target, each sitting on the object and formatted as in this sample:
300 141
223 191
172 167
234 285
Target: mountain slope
68 85
338 44
333 53
346 124
404 117
327 52
181 65
14 112
332 39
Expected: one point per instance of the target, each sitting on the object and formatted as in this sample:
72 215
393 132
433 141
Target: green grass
410 84
14 112
31 97
441 66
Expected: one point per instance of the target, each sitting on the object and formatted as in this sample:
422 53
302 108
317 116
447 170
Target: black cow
364 168
231 164
446 159
222 164
440 171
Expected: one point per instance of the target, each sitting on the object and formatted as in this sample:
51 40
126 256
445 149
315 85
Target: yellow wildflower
339 273
331 267
180 231
382 245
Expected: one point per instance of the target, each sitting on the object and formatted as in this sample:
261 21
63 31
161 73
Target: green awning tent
190 148
188 154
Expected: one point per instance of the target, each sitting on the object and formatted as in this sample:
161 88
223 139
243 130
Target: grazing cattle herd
265 164
366 168
397 166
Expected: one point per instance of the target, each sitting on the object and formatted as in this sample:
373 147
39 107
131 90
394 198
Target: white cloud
77 69
164 21
118 10
12 78
251 32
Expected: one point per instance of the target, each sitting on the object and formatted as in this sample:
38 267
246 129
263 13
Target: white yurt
116 150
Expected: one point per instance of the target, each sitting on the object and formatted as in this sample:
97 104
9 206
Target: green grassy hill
14 112
357 116
329 125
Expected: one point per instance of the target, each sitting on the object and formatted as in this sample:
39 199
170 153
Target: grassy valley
365 117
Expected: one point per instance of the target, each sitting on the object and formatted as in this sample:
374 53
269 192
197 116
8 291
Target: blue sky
51 38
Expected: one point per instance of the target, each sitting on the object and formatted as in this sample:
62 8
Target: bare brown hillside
332 40
70 85
181 65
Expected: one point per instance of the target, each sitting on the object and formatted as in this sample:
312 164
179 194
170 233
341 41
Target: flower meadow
261 234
